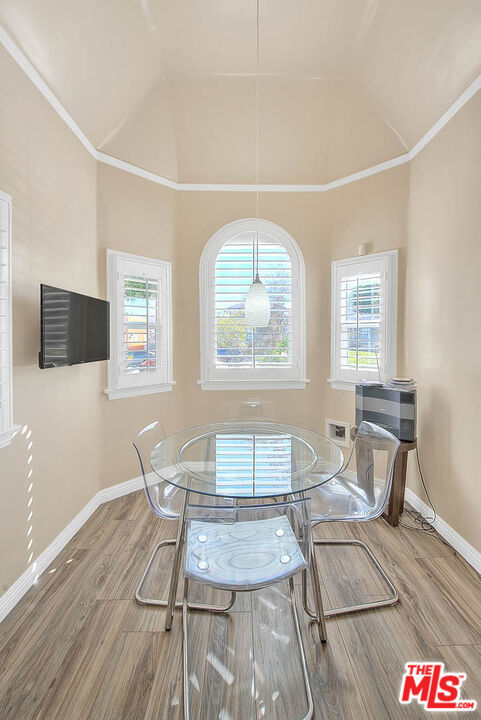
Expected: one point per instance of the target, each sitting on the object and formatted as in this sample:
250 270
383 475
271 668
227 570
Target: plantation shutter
362 312
248 463
142 323
235 344
5 325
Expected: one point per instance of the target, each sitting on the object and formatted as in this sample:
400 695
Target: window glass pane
142 331
141 320
237 345
360 317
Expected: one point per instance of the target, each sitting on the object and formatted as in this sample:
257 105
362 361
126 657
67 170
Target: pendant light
257 306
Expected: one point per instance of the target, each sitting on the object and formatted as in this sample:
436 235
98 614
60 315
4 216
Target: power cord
425 524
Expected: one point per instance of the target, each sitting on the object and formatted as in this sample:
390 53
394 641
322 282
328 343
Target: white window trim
113 391
391 315
210 378
7 433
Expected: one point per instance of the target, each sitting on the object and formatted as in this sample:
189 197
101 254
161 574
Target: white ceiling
170 86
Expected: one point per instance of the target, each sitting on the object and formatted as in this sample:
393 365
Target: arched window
233 355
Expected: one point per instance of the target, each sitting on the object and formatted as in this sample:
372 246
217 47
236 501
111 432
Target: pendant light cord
257 140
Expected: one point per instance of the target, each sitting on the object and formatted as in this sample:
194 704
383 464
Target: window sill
342 384
253 384
7 435
117 393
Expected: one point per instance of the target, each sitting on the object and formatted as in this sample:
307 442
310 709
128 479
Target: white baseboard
26 580
467 551
16 591
116 491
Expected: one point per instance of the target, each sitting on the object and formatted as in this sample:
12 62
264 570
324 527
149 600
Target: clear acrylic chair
166 501
251 409
358 496
245 548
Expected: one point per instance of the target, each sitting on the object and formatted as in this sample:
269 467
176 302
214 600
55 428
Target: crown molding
13 49
446 117
135 170
232 187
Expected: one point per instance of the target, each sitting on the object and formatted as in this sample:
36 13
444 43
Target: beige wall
136 216
67 212
52 180
141 217
443 335
200 216
374 212
326 227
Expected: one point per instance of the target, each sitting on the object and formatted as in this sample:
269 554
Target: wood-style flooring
78 647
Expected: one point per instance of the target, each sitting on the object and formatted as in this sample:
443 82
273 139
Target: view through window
237 345
139 291
142 325
360 305
364 319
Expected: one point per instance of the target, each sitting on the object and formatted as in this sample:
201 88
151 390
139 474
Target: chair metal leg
184 649
174 578
391 600
320 614
143 600
311 614
302 653
185 608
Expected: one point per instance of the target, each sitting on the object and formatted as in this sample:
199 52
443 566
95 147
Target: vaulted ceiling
171 86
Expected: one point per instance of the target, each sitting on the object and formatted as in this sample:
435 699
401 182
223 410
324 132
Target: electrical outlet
338 431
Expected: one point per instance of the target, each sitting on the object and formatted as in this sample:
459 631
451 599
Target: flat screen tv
74 328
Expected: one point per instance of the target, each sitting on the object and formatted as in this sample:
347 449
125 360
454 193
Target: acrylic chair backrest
164 499
250 409
252 545
375 450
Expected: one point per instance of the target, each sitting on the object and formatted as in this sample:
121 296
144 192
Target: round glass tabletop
246 459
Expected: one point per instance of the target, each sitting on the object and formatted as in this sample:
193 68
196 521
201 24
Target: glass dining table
229 462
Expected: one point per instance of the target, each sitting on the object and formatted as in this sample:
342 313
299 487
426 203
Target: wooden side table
395 504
